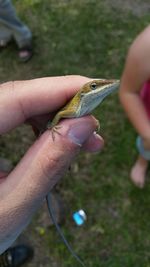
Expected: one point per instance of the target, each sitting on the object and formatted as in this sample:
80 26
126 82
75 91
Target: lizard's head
99 85
93 93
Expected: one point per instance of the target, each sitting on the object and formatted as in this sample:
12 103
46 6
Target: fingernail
80 132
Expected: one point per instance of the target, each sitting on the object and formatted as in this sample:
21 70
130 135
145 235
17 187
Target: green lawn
88 38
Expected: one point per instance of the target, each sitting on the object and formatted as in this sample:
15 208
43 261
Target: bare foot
138 172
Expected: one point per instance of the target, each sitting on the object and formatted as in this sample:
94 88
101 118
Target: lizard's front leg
52 125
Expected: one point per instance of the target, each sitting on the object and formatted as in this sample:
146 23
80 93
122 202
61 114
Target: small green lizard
84 102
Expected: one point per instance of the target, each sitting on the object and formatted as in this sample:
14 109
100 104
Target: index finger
21 100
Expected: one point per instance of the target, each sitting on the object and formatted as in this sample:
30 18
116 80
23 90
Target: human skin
35 101
135 74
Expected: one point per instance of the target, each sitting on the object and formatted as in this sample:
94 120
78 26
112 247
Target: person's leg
12 27
5 31
139 169
5 35
8 18
138 172
16 256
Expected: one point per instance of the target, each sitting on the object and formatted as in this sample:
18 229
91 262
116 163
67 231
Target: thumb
39 170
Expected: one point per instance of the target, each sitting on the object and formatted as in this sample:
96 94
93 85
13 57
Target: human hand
35 101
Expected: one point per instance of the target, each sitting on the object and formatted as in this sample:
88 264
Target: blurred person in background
11 28
135 98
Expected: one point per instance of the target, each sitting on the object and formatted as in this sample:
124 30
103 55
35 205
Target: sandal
16 256
25 53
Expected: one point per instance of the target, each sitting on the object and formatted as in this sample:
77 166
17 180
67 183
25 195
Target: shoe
16 256
25 53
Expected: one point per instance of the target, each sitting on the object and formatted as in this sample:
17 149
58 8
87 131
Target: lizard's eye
93 86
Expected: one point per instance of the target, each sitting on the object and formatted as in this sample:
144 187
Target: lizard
84 102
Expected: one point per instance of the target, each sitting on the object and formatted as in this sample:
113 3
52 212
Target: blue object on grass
79 217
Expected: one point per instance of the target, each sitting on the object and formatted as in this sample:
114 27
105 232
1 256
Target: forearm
25 188
136 112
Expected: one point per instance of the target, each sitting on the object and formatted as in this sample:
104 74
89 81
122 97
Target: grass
92 39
